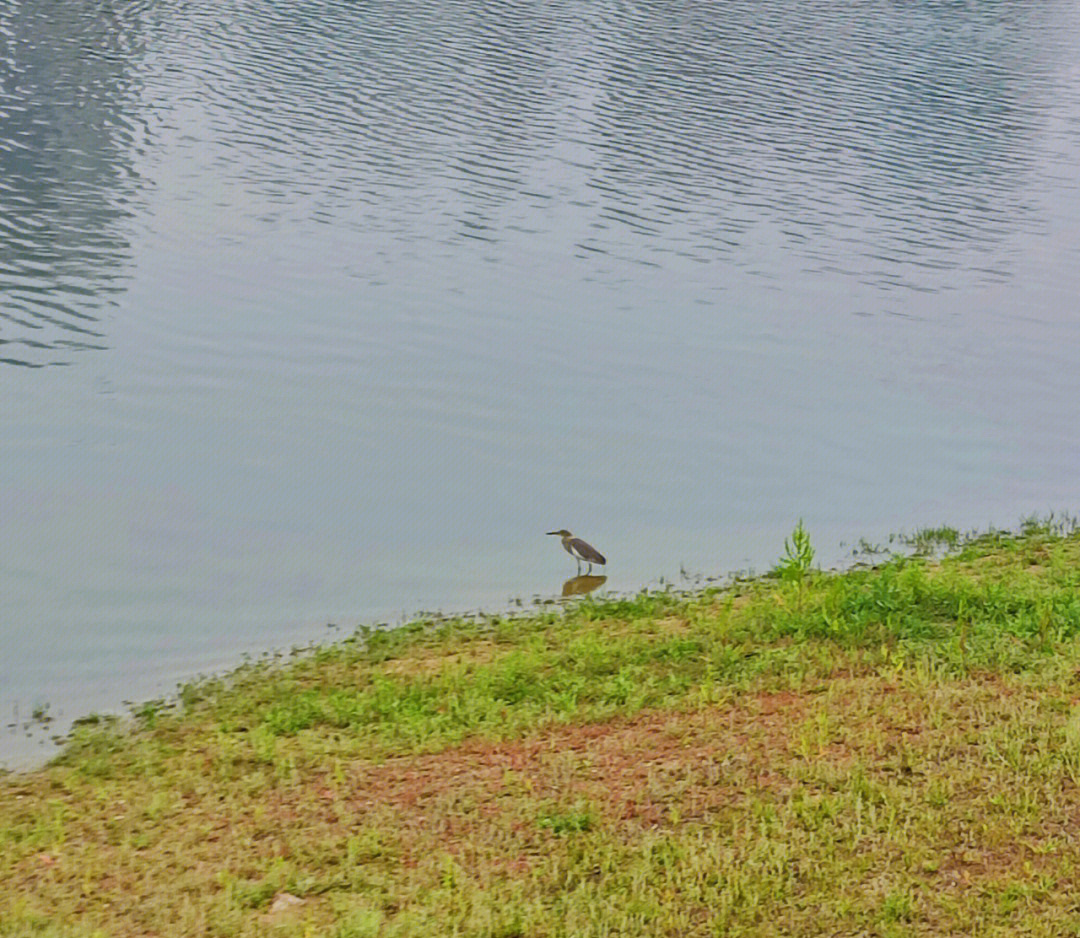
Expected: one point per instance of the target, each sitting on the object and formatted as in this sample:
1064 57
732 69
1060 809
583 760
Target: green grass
889 750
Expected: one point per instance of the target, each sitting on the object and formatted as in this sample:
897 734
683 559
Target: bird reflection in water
580 585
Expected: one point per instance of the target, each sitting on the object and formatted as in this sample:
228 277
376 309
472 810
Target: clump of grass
576 821
933 540
891 753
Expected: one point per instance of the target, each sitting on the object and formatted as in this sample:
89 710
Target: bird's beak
553 532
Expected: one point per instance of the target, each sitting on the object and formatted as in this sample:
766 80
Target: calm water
320 312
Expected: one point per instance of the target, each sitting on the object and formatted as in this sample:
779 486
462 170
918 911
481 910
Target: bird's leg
578 567
590 568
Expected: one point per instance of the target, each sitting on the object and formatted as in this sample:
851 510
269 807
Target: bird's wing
586 551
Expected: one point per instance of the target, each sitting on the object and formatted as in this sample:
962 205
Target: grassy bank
891 750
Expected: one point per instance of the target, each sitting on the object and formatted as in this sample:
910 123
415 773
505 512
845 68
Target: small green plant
1070 749
577 821
795 564
898 907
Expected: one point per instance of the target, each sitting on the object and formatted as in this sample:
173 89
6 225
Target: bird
580 550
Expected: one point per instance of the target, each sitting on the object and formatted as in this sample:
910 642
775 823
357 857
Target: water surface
323 312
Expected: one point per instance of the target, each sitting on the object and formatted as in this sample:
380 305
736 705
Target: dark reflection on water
379 289
66 133
580 585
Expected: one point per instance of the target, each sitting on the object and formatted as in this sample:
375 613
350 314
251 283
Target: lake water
324 312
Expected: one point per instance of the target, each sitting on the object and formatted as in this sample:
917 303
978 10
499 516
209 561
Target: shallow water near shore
327 314
819 752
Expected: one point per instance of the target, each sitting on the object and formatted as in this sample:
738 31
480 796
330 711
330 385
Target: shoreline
800 747
48 729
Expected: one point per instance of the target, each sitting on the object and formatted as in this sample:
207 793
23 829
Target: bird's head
561 533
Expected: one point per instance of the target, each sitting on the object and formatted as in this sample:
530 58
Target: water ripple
65 80
890 147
